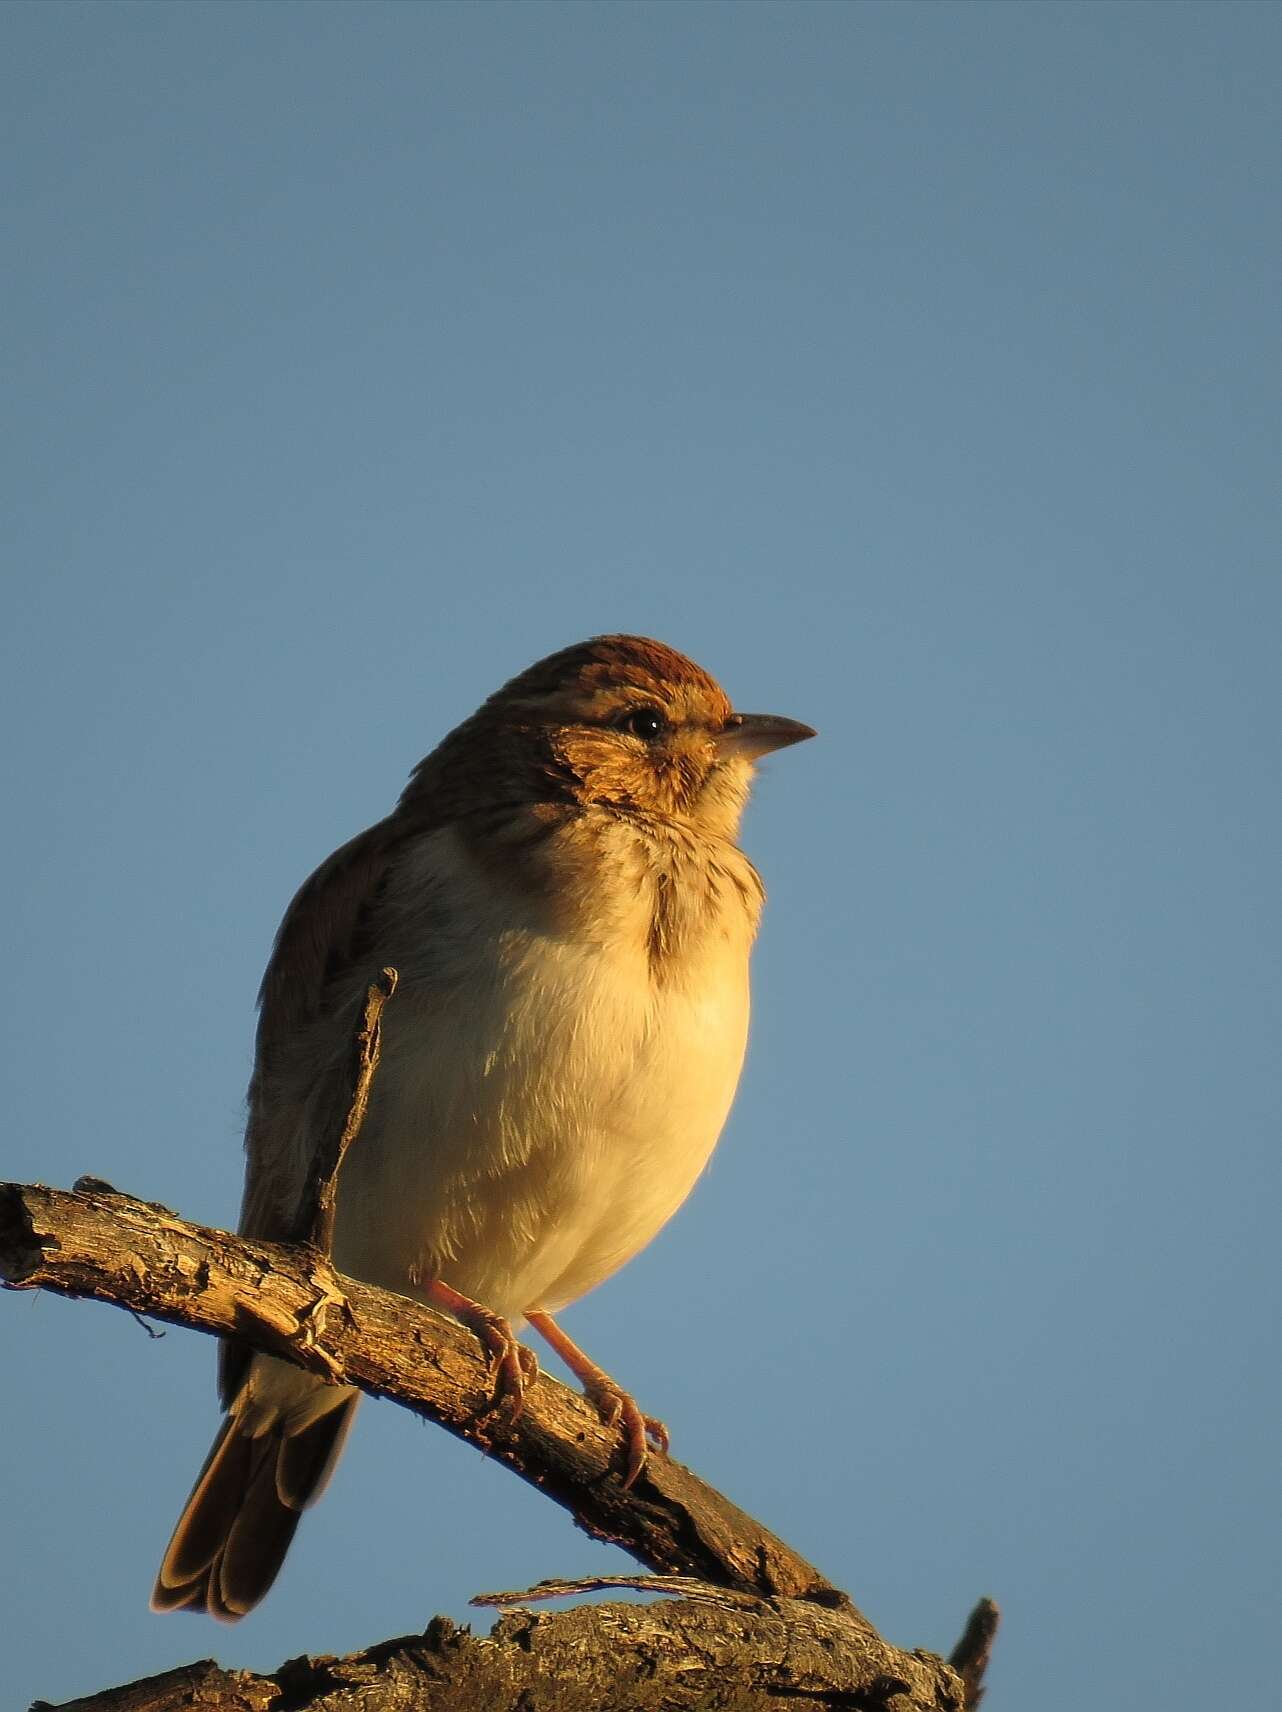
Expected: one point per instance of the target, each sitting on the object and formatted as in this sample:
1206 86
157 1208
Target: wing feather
309 1004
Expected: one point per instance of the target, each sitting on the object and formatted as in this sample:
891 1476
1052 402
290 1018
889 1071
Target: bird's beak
748 736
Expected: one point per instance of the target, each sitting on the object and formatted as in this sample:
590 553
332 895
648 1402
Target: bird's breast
549 1090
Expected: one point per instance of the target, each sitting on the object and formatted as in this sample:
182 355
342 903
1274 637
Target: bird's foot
640 1432
513 1366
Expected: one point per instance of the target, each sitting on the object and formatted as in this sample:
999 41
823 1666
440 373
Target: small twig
369 1049
321 1198
145 1324
675 1586
309 1328
969 1658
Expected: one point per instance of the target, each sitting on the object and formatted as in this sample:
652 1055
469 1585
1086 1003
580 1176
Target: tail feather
256 1543
236 1527
306 1460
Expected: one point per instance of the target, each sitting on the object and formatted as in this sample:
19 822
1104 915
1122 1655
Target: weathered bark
720 1653
764 1627
288 1301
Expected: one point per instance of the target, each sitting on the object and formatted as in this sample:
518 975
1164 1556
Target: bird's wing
319 968
310 1005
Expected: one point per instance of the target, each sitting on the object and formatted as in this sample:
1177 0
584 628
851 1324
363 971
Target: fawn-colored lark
560 891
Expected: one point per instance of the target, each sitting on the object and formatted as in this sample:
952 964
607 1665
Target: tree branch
755 1626
290 1303
719 1652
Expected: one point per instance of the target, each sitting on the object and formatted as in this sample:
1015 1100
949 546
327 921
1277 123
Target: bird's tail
273 1457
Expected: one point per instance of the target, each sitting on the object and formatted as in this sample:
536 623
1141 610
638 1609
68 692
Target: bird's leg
615 1406
514 1367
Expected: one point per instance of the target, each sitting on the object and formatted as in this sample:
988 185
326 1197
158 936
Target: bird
561 893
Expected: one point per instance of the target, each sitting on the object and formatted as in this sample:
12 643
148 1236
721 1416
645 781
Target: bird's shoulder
324 929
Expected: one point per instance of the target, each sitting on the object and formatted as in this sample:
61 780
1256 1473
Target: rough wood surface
754 1625
107 1246
720 1652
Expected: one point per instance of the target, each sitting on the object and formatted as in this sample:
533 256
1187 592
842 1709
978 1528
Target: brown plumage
560 890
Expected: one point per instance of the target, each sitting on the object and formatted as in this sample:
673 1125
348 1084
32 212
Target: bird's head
627 723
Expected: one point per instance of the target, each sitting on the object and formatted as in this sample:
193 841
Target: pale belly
536 1121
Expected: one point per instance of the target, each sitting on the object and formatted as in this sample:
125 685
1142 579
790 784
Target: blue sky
914 368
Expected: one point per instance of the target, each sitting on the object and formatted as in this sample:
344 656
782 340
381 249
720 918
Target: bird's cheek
724 796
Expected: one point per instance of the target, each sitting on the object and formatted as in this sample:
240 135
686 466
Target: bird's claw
639 1431
513 1366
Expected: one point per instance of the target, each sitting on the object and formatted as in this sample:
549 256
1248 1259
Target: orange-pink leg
614 1404
513 1365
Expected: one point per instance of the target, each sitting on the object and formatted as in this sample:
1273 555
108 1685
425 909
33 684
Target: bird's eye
644 722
